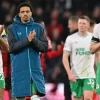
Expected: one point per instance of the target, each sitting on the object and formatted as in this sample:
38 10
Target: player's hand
62 43
31 36
1 29
71 77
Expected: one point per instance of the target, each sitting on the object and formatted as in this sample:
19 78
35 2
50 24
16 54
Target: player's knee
1 97
88 98
35 97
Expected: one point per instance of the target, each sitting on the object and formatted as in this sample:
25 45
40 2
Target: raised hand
31 36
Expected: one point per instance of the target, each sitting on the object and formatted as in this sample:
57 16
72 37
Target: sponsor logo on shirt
82 51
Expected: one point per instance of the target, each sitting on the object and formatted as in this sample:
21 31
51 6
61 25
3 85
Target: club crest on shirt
19 33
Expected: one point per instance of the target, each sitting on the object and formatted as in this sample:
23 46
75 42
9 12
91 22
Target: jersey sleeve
67 46
96 33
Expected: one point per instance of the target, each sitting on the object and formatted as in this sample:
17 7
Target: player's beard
26 19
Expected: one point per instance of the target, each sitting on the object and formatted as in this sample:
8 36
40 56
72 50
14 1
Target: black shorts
7 83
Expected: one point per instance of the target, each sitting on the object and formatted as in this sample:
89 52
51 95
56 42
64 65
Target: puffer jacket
25 57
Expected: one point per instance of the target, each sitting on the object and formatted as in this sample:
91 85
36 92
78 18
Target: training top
81 60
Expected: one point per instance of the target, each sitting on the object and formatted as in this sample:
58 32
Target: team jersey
81 60
96 33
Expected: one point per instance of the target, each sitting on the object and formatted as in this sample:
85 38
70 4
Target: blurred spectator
64 22
37 3
51 53
96 14
68 4
55 29
4 9
38 14
79 13
92 24
8 18
73 24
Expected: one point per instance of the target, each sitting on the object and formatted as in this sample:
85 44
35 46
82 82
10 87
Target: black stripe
95 39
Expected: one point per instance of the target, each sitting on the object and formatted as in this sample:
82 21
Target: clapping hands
31 36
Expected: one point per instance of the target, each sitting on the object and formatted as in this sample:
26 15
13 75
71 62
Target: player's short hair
85 17
74 18
23 5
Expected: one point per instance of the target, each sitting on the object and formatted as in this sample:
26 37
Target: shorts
98 79
33 87
2 81
7 83
81 85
